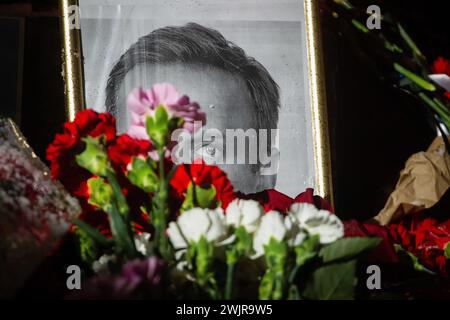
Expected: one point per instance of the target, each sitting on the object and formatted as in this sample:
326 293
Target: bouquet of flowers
150 228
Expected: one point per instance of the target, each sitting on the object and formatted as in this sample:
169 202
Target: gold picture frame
75 99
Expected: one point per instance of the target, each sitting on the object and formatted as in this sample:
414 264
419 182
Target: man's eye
208 152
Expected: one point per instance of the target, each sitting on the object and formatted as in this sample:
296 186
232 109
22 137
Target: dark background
373 127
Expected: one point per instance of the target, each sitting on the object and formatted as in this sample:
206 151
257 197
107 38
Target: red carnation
426 238
272 199
61 154
385 252
442 66
124 148
120 152
309 197
62 151
204 176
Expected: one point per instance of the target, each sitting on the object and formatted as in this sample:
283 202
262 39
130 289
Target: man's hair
196 44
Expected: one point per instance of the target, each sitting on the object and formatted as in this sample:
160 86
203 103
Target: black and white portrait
243 61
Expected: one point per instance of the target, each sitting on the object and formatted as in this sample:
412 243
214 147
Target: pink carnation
143 102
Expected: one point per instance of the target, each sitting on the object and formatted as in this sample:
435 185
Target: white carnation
272 226
294 235
102 264
246 213
142 243
195 223
321 222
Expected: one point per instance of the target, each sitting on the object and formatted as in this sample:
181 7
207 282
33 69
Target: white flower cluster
302 219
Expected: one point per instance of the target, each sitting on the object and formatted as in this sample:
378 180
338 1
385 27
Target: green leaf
244 242
190 255
197 196
266 286
121 234
347 248
119 198
204 252
447 250
161 116
274 281
307 250
276 254
421 82
94 158
344 3
332 282
142 175
409 41
392 47
443 112
92 233
360 26
158 127
175 123
403 253
149 124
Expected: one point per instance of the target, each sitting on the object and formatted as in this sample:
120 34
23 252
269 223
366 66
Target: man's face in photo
224 98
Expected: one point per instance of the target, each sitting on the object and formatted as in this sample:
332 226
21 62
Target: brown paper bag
425 178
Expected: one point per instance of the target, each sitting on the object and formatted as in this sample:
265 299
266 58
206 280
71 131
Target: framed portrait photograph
253 66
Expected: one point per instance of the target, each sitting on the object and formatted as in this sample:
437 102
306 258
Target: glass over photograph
244 62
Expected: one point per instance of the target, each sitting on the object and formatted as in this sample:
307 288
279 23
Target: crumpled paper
425 178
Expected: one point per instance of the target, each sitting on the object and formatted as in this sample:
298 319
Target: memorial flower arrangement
150 228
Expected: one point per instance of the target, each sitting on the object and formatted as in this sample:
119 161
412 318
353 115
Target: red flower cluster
426 238
62 152
204 176
120 152
442 66
124 148
275 200
385 252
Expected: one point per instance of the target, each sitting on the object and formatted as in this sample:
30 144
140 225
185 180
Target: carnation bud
100 193
142 175
94 157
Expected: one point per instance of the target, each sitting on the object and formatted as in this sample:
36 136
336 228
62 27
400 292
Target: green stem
443 113
119 214
293 274
409 41
93 233
229 281
360 26
414 78
121 200
162 208
161 164
122 233
344 3
444 109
